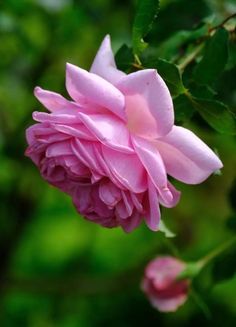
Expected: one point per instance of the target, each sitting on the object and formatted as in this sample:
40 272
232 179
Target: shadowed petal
104 64
131 223
186 157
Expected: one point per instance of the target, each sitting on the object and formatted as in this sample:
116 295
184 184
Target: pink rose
160 285
111 147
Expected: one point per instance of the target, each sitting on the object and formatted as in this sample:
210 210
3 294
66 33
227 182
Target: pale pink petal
186 157
76 130
175 197
106 169
153 215
109 130
109 193
59 149
152 161
104 64
53 101
169 305
62 118
127 169
125 207
84 151
88 87
147 96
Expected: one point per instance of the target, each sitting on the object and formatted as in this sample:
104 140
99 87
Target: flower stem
223 247
189 58
201 304
223 23
193 268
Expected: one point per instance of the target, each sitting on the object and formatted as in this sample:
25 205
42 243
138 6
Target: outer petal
186 157
128 170
53 101
104 64
149 106
87 87
131 223
169 304
110 130
152 161
153 214
175 194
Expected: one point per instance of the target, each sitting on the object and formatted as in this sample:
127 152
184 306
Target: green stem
189 58
223 23
223 247
201 304
193 268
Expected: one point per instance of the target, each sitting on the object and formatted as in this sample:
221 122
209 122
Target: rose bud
162 286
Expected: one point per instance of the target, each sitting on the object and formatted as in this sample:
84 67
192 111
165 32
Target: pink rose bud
112 145
164 291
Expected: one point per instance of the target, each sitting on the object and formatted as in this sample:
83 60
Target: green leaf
183 108
146 13
164 229
224 266
232 53
124 58
216 114
170 47
214 58
170 73
201 91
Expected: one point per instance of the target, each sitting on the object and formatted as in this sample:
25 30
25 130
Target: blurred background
56 269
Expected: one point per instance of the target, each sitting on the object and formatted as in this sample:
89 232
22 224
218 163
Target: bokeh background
56 269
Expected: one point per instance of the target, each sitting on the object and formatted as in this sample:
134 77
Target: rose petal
84 151
53 101
104 64
186 157
109 130
153 215
131 223
149 106
57 118
128 170
175 197
152 161
85 86
109 193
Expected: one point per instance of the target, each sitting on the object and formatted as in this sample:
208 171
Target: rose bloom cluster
113 144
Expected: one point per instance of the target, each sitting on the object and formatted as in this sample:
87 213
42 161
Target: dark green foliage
124 58
59 270
214 58
216 114
224 267
146 13
183 108
232 195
